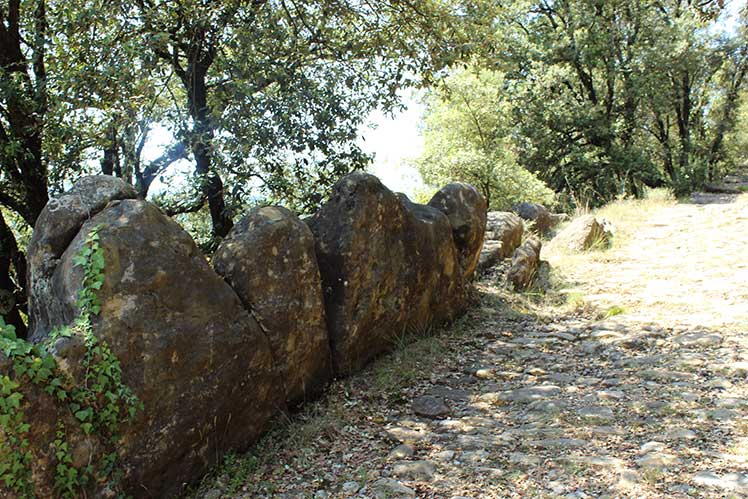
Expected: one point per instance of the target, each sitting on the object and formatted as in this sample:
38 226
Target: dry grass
696 248
627 216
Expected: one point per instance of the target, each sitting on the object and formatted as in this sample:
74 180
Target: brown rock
525 265
187 347
360 244
44 414
542 219
268 258
436 288
466 209
56 226
584 233
503 235
388 266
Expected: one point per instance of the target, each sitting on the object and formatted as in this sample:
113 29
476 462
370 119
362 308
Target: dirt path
687 264
650 403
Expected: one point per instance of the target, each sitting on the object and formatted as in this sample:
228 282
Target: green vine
100 402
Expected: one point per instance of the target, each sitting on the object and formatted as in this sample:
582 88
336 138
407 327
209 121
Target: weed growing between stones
99 402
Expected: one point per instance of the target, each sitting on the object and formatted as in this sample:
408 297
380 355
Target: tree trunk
202 143
12 280
110 162
663 137
683 112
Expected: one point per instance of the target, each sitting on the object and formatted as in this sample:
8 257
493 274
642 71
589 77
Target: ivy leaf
84 414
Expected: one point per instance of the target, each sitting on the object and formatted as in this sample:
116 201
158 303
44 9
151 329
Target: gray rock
658 460
558 443
584 233
547 406
610 394
608 462
444 456
418 471
350 488
406 435
600 413
698 339
523 459
652 446
531 394
737 482
400 452
681 434
387 488
431 407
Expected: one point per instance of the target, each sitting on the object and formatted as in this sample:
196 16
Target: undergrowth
99 402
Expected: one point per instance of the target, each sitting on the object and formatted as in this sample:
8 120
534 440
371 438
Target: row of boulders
505 232
215 352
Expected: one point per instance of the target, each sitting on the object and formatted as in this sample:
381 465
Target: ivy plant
100 402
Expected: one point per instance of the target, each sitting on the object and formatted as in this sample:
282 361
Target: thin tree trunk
202 143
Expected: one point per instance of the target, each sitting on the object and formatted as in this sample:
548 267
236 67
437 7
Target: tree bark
12 280
683 112
110 162
202 143
26 108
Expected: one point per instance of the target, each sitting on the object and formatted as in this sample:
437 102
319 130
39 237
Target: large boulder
504 232
436 286
584 233
525 265
268 258
56 226
542 220
466 209
388 267
360 245
45 416
188 349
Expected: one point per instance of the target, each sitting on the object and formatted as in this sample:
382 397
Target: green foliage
608 98
736 139
468 138
423 195
613 311
21 230
276 92
99 403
